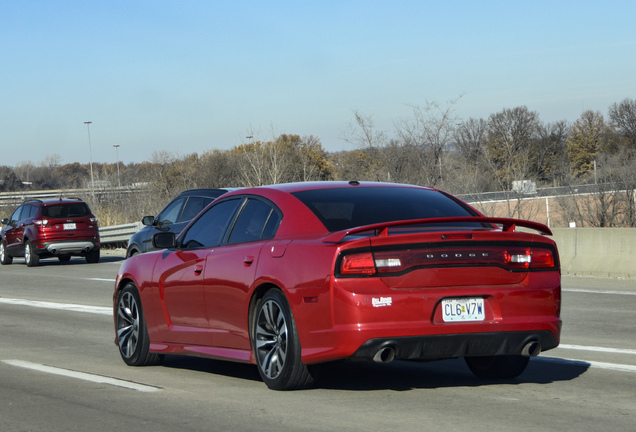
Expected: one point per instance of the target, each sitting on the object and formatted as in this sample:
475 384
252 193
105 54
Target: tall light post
90 149
117 156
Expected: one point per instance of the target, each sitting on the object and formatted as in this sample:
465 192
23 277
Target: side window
192 208
31 213
171 213
208 229
16 214
258 220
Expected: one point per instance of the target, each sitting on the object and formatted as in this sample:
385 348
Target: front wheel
32 259
5 258
276 345
497 367
132 334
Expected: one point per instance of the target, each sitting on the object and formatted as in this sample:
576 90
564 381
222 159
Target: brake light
41 222
542 258
358 264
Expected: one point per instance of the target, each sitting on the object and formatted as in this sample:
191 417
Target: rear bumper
457 345
69 247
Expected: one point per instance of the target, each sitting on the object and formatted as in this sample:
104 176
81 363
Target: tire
92 257
32 259
132 334
276 345
132 252
64 258
5 258
497 367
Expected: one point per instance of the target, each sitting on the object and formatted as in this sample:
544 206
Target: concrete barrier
600 252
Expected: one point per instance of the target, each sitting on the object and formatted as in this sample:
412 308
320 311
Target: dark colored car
291 276
50 228
174 217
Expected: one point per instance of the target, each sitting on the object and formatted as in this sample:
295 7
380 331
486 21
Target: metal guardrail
118 235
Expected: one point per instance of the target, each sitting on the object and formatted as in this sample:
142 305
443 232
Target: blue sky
191 76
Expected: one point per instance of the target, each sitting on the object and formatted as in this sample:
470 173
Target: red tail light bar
393 262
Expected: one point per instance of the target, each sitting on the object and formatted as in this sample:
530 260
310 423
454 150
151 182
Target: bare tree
623 118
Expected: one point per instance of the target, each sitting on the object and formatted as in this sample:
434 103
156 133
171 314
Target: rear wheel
93 256
132 334
32 259
5 258
497 367
276 345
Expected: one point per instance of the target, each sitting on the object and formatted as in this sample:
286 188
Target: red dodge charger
294 275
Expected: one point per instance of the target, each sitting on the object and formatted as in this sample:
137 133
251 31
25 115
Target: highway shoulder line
100 310
82 376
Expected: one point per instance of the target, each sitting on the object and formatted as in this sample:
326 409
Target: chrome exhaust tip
384 355
532 349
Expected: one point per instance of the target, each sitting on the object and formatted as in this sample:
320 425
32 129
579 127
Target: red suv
48 228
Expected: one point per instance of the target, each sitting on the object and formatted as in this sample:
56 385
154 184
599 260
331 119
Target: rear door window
258 220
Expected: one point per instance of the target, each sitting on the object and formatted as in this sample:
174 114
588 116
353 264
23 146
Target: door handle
198 269
248 260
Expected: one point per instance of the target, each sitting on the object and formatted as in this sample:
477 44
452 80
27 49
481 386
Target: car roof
55 201
291 188
212 192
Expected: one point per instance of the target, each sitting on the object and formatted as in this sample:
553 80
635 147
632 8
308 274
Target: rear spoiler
382 229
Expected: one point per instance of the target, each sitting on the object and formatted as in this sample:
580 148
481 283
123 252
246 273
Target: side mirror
5 221
164 240
148 220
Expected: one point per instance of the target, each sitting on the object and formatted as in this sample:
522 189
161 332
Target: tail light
387 262
41 222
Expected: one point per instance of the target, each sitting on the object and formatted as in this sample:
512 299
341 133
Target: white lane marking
595 364
59 306
597 291
101 280
597 349
82 376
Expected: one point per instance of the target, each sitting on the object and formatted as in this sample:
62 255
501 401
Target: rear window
66 210
340 209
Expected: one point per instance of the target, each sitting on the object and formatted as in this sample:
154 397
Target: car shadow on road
405 375
219 367
397 375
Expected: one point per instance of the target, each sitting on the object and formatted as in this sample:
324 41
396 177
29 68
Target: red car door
230 273
181 273
14 230
181 296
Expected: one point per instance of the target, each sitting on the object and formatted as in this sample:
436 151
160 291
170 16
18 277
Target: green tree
587 137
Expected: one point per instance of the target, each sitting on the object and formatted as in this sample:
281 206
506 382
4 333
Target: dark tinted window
208 229
171 213
193 207
340 209
257 220
65 210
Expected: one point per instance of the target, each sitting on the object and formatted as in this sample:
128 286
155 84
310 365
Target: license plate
463 309
69 226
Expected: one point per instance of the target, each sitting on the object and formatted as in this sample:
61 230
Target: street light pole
117 155
90 149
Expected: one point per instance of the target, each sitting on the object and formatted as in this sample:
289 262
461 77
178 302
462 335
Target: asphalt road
60 371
